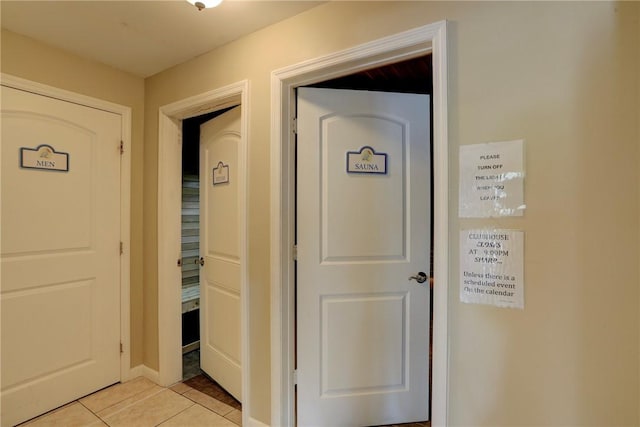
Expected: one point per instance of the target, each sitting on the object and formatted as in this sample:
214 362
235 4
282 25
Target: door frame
125 197
169 218
428 39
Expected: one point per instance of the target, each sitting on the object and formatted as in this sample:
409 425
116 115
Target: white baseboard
252 422
144 371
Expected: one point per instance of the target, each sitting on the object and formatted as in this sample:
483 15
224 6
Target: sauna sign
366 160
491 267
44 157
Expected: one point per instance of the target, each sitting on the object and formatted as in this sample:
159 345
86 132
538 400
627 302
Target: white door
363 228
60 293
221 181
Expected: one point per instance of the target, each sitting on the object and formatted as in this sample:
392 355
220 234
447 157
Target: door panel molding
362 327
125 196
170 118
92 275
412 43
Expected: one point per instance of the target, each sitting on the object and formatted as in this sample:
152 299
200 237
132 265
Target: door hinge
294 252
121 248
294 125
121 147
121 348
295 377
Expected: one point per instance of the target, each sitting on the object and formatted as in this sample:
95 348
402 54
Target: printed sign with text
492 179
491 267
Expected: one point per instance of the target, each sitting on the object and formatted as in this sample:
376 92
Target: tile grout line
115 403
226 418
126 406
175 415
228 413
223 415
93 413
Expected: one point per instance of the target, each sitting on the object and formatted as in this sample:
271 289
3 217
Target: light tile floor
140 402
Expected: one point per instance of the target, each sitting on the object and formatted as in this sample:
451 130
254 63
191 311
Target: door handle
420 277
201 262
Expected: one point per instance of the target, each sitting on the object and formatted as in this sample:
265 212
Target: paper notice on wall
492 179
491 267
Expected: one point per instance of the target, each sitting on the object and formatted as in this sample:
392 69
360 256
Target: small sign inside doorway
221 174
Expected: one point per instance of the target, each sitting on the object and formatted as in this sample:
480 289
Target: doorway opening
411 76
171 118
428 39
190 243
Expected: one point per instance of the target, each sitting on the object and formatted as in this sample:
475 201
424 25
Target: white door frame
125 196
419 41
169 220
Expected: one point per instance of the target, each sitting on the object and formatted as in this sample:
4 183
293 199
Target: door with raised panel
60 292
221 208
363 229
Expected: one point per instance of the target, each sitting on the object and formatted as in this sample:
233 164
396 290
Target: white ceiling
142 37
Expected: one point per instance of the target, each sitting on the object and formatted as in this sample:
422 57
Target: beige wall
563 80
32 60
563 76
638 136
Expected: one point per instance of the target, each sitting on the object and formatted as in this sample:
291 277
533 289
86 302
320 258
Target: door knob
420 277
201 262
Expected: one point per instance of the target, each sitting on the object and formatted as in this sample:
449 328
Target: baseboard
190 347
144 371
252 422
